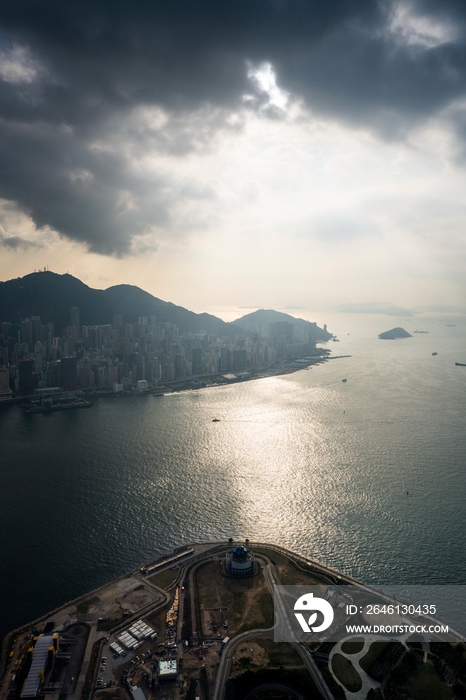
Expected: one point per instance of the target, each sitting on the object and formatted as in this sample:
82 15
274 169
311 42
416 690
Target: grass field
248 601
426 685
335 688
346 673
164 579
289 573
353 646
375 650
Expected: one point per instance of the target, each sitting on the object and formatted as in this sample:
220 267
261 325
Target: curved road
271 578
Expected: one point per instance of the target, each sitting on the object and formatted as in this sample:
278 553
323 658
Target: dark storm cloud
17 243
73 72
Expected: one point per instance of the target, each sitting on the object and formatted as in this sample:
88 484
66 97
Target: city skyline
133 342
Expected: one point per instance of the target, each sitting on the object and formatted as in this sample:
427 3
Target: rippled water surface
306 460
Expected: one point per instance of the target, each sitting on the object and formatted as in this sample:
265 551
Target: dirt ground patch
247 600
122 596
207 656
111 694
265 653
157 622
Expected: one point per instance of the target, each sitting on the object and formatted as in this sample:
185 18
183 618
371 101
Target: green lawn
346 673
289 573
164 579
275 557
353 646
375 650
426 685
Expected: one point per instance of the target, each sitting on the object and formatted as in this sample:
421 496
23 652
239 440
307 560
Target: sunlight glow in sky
307 162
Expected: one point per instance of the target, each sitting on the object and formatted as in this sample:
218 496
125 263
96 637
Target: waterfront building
69 373
239 561
4 378
100 356
43 656
27 381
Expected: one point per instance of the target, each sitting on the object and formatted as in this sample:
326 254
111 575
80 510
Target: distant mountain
374 307
51 296
263 317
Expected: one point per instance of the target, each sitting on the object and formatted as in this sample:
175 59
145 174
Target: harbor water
367 476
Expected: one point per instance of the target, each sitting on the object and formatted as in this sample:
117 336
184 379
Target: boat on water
158 393
215 420
460 364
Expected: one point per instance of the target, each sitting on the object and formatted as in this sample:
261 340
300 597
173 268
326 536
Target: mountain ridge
52 296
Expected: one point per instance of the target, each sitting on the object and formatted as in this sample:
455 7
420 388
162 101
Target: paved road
271 577
313 669
229 649
93 636
192 571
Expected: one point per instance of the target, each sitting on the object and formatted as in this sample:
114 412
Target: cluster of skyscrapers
120 355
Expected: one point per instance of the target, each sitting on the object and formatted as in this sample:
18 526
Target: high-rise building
27 380
4 378
196 359
75 316
69 373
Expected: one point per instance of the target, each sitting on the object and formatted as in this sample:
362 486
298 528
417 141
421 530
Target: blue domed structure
239 561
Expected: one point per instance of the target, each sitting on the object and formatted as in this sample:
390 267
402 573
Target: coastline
212 380
166 559
176 599
203 381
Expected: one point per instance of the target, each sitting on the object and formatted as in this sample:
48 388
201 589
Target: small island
395 333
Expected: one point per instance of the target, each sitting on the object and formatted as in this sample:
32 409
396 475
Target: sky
237 154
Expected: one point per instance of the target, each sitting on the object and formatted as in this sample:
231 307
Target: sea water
367 476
